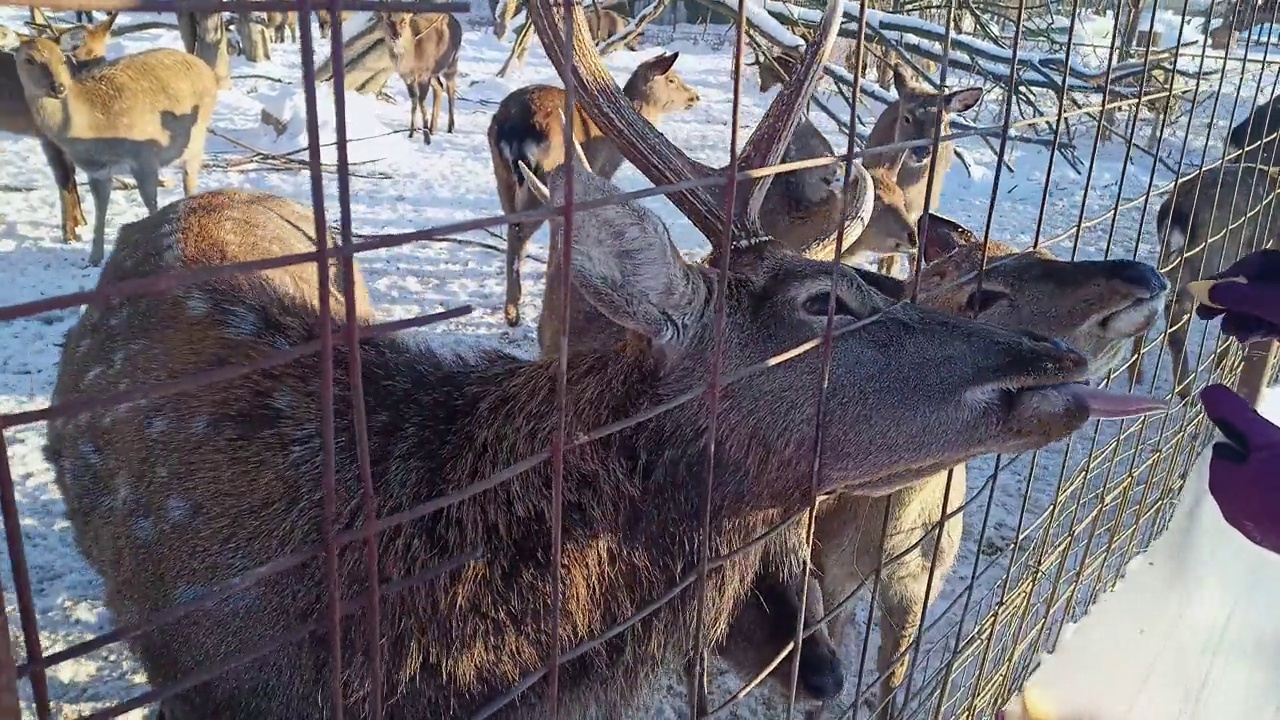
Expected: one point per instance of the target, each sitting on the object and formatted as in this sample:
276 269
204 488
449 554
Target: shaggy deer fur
643 147
248 454
1209 221
142 111
528 128
1256 135
425 49
1097 307
16 117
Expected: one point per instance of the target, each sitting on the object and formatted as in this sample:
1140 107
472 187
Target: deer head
1097 306
917 116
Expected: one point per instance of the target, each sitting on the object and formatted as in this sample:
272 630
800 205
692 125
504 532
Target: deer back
913 117
154 101
1256 135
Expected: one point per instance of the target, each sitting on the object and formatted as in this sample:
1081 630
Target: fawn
142 111
425 49
528 128
15 113
279 22
439 422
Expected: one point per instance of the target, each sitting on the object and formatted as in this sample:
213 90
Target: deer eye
816 305
984 299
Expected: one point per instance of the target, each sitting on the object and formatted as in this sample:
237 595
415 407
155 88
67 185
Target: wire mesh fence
727 439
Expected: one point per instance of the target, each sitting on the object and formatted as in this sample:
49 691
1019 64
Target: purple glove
1244 473
1251 311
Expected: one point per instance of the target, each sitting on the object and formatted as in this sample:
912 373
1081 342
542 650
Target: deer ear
902 81
957 101
943 236
662 64
625 264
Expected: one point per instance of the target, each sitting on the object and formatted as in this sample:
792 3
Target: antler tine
863 200
769 141
656 157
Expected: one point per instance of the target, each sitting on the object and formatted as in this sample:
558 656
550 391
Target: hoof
512 315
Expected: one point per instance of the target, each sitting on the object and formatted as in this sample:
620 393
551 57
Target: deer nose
58 89
1146 281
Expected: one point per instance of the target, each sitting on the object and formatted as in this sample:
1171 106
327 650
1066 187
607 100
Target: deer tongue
1105 403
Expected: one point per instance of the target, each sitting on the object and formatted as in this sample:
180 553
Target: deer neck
631 504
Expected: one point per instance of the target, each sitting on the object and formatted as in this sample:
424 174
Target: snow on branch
968 54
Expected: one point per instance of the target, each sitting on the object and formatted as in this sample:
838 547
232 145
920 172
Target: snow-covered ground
1190 631
402 185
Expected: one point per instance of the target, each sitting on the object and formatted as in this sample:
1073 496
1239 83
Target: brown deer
1255 136
1098 307
279 22
249 454
1210 220
875 223
604 24
425 49
527 128
325 21
143 111
15 113
915 116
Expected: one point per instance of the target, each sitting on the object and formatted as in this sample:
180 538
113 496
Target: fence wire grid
670 506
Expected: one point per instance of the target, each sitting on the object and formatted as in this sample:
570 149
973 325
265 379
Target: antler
656 157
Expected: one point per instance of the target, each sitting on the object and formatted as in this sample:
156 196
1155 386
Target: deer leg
889 265
148 178
100 187
696 686
1179 325
64 176
451 87
1136 375
191 174
518 235
412 87
437 89
423 89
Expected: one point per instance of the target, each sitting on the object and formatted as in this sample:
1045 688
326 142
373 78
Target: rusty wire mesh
1009 593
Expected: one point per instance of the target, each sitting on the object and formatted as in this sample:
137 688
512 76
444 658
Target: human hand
1244 472
1250 310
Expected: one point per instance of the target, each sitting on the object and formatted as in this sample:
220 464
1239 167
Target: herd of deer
170 498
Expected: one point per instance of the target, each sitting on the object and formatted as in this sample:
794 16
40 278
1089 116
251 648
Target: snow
401 185
1190 632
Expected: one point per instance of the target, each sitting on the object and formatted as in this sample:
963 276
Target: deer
325 20
587 330
16 117
915 116
143 111
479 625
527 128
425 49
1211 219
279 22
1098 307
604 24
1253 140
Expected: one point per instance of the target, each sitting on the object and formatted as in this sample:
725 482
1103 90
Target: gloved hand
1244 472
1251 311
